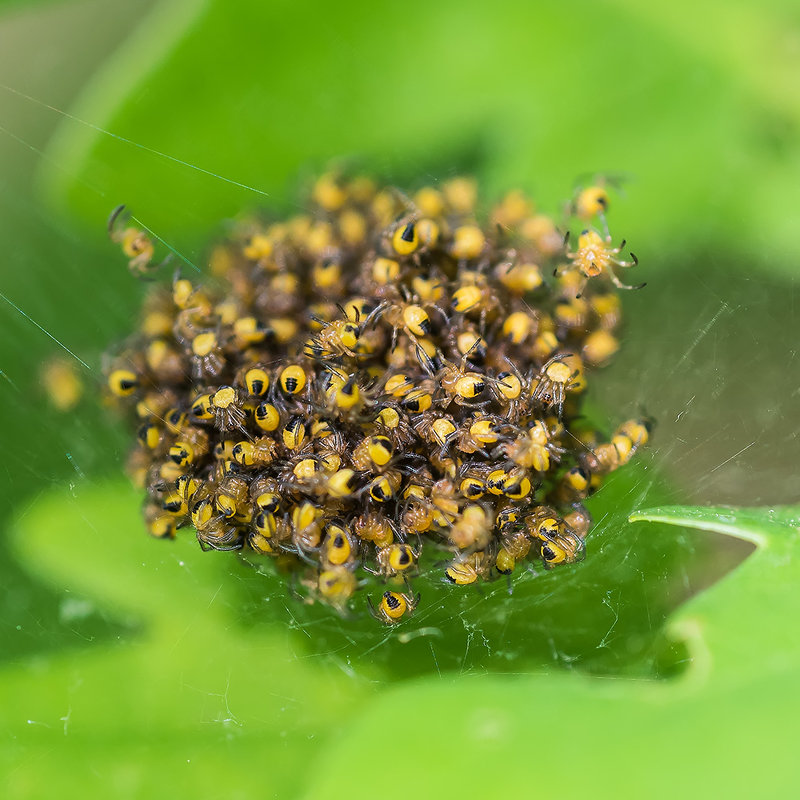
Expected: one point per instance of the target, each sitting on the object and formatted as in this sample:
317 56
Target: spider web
708 352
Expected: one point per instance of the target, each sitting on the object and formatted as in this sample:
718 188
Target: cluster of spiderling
380 376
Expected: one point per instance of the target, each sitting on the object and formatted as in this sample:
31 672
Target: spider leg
394 340
617 250
466 355
434 307
301 554
113 218
562 268
424 359
620 285
558 398
167 261
372 609
376 313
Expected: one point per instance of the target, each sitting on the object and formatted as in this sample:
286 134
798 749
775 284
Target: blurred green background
136 667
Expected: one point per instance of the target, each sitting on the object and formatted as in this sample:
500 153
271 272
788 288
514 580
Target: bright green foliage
190 703
197 697
699 114
219 684
710 731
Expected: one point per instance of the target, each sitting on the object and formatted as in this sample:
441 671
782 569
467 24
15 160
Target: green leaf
710 730
200 696
188 702
743 621
531 94
218 682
